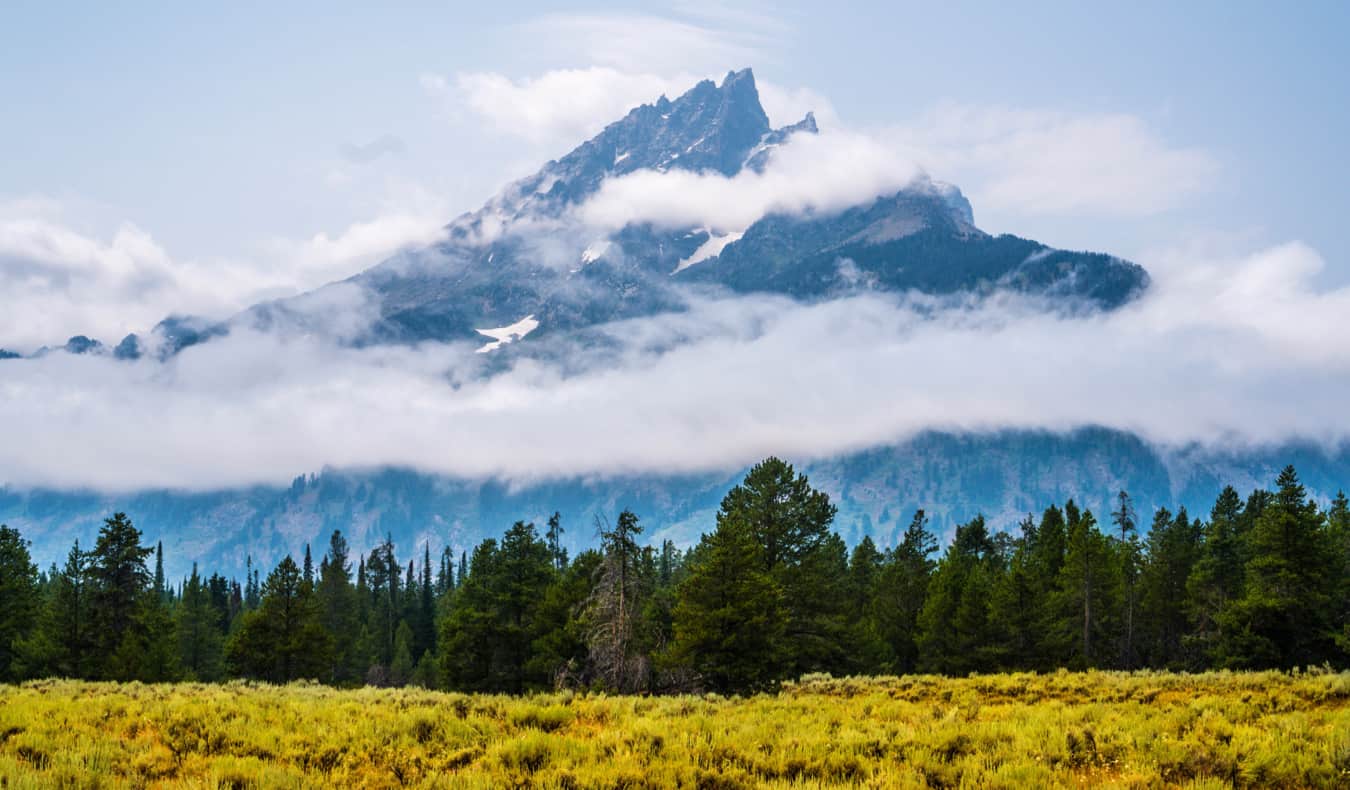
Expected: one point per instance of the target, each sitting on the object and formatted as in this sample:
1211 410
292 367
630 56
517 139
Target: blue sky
164 158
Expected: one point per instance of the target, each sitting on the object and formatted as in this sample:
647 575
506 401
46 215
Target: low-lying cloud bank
810 173
1238 350
60 278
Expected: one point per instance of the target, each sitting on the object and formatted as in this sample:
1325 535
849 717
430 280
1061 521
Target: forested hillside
769 594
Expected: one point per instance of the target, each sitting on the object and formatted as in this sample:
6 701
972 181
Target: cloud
825 172
1032 161
565 105
324 258
623 61
61 279
1197 359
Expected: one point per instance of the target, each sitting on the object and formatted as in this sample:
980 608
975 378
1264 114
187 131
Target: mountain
527 256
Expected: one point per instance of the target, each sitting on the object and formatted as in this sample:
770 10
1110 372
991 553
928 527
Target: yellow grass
1095 729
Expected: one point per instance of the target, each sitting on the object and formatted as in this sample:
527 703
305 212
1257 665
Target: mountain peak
709 127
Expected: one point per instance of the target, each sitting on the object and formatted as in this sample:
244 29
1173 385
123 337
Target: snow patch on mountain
507 334
594 251
709 249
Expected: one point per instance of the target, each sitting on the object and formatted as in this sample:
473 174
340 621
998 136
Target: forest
770 594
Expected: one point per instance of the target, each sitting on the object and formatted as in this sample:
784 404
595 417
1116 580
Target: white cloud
825 172
60 279
1047 162
1194 360
566 105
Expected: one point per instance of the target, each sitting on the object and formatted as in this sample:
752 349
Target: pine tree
1014 606
18 598
60 644
339 613
200 632
954 625
426 609
1216 580
901 591
283 639
558 646
864 575
1128 556
728 613
1084 586
1282 619
160 592
554 538
386 605
487 634
1173 549
1338 537
119 582
790 521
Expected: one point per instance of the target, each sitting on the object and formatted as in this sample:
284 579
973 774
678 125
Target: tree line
769 594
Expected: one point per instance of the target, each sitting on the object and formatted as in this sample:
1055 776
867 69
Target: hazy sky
180 158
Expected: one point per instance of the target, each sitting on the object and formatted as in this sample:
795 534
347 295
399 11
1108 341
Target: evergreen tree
160 591
1128 556
1216 580
386 605
119 582
954 625
1282 619
1085 588
283 639
1173 549
1014 614
487 634
60 644
728 613
1338 537
445 579
901 591
426 607
789 520
558 648
339 613
864 574
200 632
18 598
554 538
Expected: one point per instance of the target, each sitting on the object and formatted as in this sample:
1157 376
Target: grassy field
1093 729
